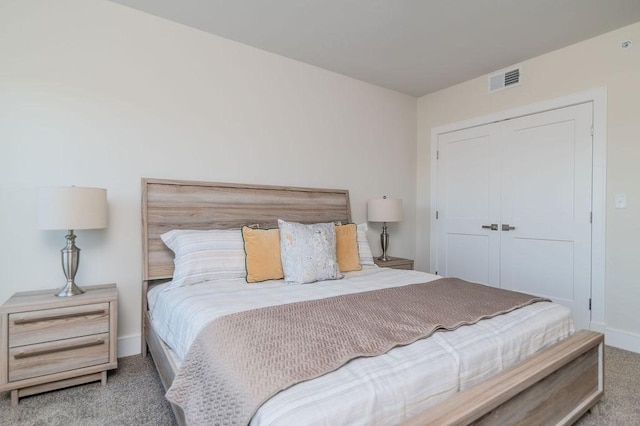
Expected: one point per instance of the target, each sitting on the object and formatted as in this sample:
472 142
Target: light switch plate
621 201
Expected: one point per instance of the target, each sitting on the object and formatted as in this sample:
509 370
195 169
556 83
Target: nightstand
49 342
395 263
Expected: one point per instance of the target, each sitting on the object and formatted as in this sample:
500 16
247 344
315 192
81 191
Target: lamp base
70 262
71 289
384 243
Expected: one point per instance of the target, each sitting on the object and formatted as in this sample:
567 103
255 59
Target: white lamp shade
72 208
384 210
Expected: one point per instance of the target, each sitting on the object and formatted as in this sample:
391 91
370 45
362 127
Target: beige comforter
242 359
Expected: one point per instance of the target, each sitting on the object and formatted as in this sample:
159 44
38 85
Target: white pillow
366 258
205 255
308 252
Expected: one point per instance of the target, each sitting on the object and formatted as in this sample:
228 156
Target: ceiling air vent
504 80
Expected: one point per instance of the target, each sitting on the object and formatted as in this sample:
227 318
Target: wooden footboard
555 386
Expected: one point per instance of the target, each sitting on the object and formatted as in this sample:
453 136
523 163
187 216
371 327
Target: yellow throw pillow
262 248
347 248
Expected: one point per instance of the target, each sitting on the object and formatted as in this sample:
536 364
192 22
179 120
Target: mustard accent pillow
262 248
347 248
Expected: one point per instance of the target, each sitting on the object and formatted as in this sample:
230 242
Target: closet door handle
506 227
493 227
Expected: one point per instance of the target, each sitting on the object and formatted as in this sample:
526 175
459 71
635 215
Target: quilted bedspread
240 360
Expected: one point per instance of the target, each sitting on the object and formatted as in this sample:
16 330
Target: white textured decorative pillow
308 252
366 258
205 255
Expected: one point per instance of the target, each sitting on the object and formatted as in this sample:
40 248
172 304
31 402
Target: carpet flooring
134 396
621 403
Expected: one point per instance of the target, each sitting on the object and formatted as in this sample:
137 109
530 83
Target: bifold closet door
514 205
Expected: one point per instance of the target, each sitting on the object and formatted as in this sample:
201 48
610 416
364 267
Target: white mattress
378 390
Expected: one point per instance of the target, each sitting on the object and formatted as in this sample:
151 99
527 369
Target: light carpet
133 396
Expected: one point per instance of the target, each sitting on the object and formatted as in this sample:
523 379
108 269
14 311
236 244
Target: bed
554 385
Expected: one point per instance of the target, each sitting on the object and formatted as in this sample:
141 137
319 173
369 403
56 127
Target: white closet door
531 175
546 197
468 203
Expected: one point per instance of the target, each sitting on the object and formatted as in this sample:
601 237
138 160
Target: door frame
598 97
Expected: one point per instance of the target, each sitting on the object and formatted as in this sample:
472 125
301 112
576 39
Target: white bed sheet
379 390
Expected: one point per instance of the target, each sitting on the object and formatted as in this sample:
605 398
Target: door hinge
589 304
590 217
592 130
437 215
438 154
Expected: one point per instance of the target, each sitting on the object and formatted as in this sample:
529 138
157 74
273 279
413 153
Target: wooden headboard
176 204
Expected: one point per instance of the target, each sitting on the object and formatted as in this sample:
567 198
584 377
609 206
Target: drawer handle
59 317
22 355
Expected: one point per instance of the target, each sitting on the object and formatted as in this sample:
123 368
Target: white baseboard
617 338
622 339
129 345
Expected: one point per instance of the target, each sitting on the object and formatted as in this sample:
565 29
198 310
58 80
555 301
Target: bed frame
557 385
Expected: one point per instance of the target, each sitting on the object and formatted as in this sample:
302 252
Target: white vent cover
504 79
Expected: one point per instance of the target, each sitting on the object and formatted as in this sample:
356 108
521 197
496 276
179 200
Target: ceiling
412 46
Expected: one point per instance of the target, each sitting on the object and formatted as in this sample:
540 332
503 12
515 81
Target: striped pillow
366 258
205 255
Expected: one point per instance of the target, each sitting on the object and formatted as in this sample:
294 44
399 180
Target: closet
514 205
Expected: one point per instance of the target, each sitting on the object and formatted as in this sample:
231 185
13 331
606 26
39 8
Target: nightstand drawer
62 355
27 328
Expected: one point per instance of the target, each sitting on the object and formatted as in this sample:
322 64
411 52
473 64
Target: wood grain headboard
177 204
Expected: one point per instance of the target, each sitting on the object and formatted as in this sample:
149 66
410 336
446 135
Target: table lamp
71 208
384 210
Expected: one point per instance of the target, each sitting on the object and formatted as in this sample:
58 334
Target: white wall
591 64
96 94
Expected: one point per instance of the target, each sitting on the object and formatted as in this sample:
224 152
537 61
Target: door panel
468 257
468 178
539 271
539 170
